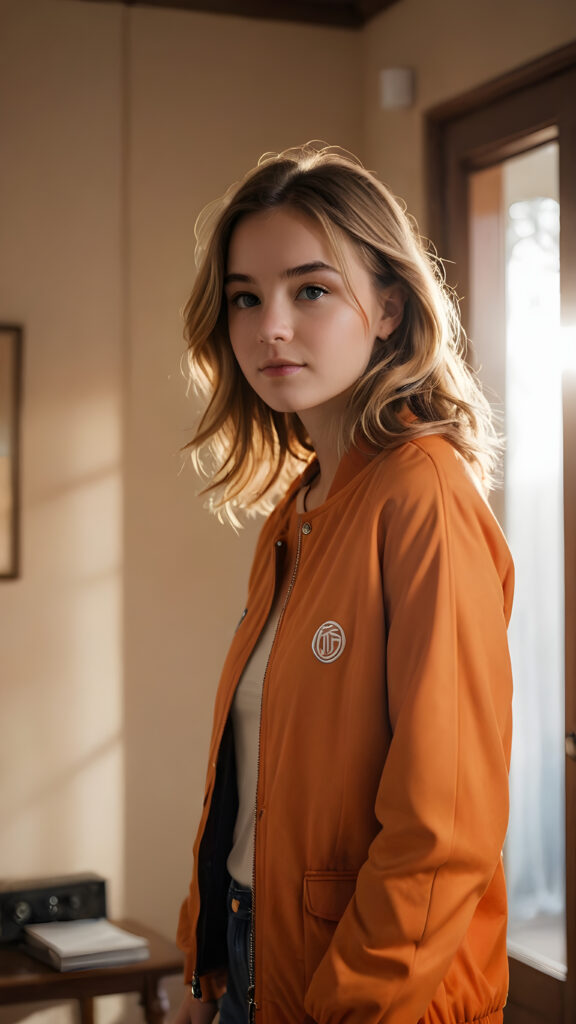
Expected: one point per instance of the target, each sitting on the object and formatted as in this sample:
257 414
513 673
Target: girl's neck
324 436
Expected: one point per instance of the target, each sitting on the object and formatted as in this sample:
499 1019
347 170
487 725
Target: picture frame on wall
11 339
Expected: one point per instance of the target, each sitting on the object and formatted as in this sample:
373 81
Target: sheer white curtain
533 488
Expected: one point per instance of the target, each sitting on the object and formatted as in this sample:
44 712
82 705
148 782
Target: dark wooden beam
343 13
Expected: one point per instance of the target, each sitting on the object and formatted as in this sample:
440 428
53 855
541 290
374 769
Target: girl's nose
275 324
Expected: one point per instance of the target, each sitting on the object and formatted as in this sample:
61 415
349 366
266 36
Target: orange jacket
385 737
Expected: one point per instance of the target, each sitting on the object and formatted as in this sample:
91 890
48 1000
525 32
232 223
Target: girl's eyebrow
300 271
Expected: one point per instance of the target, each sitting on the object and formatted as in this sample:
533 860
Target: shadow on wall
59 781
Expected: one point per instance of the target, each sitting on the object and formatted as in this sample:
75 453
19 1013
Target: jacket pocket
326 896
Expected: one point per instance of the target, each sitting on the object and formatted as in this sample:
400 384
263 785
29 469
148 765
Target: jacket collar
353 461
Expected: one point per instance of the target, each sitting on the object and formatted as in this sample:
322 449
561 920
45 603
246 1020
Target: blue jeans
234 1003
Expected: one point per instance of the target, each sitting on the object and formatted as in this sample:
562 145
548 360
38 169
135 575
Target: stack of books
83 945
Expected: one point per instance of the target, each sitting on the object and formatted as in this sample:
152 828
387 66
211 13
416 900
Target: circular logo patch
329 641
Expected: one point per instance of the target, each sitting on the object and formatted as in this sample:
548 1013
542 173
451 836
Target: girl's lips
281 370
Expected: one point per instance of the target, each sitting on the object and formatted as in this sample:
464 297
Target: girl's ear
393 300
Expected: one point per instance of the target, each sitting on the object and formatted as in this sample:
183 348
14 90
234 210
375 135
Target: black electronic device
39 900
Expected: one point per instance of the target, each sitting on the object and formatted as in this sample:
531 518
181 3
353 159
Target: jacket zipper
252 1004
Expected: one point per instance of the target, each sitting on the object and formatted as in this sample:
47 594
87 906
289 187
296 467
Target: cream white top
246 725
245 712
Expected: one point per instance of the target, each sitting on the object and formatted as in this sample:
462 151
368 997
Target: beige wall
63 738
453 45
117 125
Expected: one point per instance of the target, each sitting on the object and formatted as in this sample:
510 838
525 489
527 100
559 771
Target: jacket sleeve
442 802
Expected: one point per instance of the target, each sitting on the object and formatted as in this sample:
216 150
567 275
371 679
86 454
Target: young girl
348 861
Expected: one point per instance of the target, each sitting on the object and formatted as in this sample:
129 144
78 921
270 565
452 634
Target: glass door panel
515 327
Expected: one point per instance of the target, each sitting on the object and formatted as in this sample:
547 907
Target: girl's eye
312 292
244 300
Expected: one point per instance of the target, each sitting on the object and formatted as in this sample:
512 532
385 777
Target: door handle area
570 744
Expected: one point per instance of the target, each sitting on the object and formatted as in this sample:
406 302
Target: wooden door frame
488 125
529 106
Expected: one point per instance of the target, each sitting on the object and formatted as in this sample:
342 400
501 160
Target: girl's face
299 339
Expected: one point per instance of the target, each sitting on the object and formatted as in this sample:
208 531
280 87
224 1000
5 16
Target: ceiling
347 13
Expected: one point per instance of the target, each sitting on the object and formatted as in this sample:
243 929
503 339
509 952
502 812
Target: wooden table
26 980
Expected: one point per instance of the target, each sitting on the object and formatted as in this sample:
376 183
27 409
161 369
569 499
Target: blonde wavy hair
417 381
